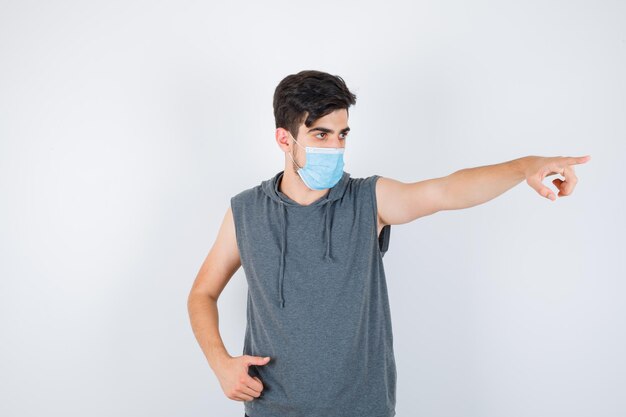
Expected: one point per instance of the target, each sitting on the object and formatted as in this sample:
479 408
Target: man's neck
293 187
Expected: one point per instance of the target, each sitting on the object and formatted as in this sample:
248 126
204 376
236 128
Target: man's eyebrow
326 130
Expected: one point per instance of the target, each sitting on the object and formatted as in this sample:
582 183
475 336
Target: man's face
329 131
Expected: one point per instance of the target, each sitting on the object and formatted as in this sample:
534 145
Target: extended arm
400 202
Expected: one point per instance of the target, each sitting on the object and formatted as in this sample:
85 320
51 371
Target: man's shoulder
363 184
364 179
247 194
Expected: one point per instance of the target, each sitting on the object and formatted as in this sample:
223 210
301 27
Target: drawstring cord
281 274
327 256
327 215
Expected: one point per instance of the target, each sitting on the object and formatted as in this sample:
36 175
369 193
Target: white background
126 126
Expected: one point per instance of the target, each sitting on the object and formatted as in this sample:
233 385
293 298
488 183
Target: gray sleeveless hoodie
317 301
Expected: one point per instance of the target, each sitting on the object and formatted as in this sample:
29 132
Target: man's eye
320 134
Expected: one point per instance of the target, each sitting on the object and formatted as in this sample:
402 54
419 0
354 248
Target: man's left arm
400 202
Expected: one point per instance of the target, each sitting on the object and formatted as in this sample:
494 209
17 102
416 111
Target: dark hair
311 94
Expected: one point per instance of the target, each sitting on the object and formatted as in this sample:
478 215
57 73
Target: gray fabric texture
317 301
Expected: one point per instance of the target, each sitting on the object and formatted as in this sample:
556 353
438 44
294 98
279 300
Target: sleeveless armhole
385 233
234 207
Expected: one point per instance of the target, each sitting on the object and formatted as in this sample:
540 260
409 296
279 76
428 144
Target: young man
311 239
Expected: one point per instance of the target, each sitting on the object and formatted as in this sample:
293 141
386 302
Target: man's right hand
236 383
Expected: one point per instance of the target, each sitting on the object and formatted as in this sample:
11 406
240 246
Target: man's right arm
217 269
219 266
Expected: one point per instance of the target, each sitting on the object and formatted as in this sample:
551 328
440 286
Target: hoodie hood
271 188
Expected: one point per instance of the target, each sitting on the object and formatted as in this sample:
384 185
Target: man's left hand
537 168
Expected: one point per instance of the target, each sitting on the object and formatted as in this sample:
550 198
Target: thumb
257 360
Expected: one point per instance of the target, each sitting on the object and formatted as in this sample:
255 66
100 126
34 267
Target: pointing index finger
578 159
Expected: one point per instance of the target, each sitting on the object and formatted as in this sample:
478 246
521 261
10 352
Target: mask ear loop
294 161
294 139
289 153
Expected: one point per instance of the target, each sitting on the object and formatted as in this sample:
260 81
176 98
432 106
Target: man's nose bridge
338 142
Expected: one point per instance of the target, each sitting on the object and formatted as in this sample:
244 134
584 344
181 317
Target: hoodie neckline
270 187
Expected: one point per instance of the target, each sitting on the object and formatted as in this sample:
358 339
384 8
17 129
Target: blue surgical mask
323 167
